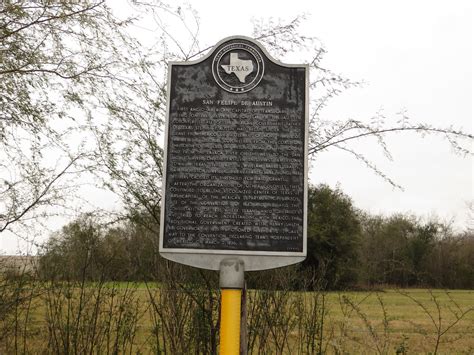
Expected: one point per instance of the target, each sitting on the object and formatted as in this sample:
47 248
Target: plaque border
211 258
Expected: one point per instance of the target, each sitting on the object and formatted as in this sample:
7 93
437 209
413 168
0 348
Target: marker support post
196 177
231 282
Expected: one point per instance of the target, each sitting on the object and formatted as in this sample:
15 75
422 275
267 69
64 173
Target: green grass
355 322
411 319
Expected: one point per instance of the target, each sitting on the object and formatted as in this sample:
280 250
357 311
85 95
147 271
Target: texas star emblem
241 68
238 67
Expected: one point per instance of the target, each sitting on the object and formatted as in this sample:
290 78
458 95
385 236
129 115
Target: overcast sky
414 56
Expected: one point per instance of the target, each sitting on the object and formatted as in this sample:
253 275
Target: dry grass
406 320
391 321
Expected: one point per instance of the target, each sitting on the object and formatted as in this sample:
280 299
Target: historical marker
235 181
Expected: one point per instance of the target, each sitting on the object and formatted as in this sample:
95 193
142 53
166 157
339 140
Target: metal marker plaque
235 181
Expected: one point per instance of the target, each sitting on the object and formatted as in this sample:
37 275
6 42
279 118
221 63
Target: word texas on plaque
235 180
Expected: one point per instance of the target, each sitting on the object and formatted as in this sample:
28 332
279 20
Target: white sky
414 55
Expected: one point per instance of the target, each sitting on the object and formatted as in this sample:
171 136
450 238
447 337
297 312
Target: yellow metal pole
230 321
231 282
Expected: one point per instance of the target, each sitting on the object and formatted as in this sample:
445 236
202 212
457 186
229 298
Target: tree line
347 249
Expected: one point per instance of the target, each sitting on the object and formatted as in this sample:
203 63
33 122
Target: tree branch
422 129
39 197
38 21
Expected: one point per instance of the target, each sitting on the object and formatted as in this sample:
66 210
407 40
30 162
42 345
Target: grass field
405 320
389 321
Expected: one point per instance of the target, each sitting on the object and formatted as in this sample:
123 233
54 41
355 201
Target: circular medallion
238 67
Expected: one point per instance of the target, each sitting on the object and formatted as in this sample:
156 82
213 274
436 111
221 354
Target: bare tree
61 65
285 38
80 93
132 155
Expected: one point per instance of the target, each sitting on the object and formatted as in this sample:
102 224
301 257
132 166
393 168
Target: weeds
438 317
180 315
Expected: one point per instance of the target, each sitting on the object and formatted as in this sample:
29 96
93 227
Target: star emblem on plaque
238 67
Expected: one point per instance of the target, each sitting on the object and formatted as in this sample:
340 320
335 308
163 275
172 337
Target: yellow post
230 321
